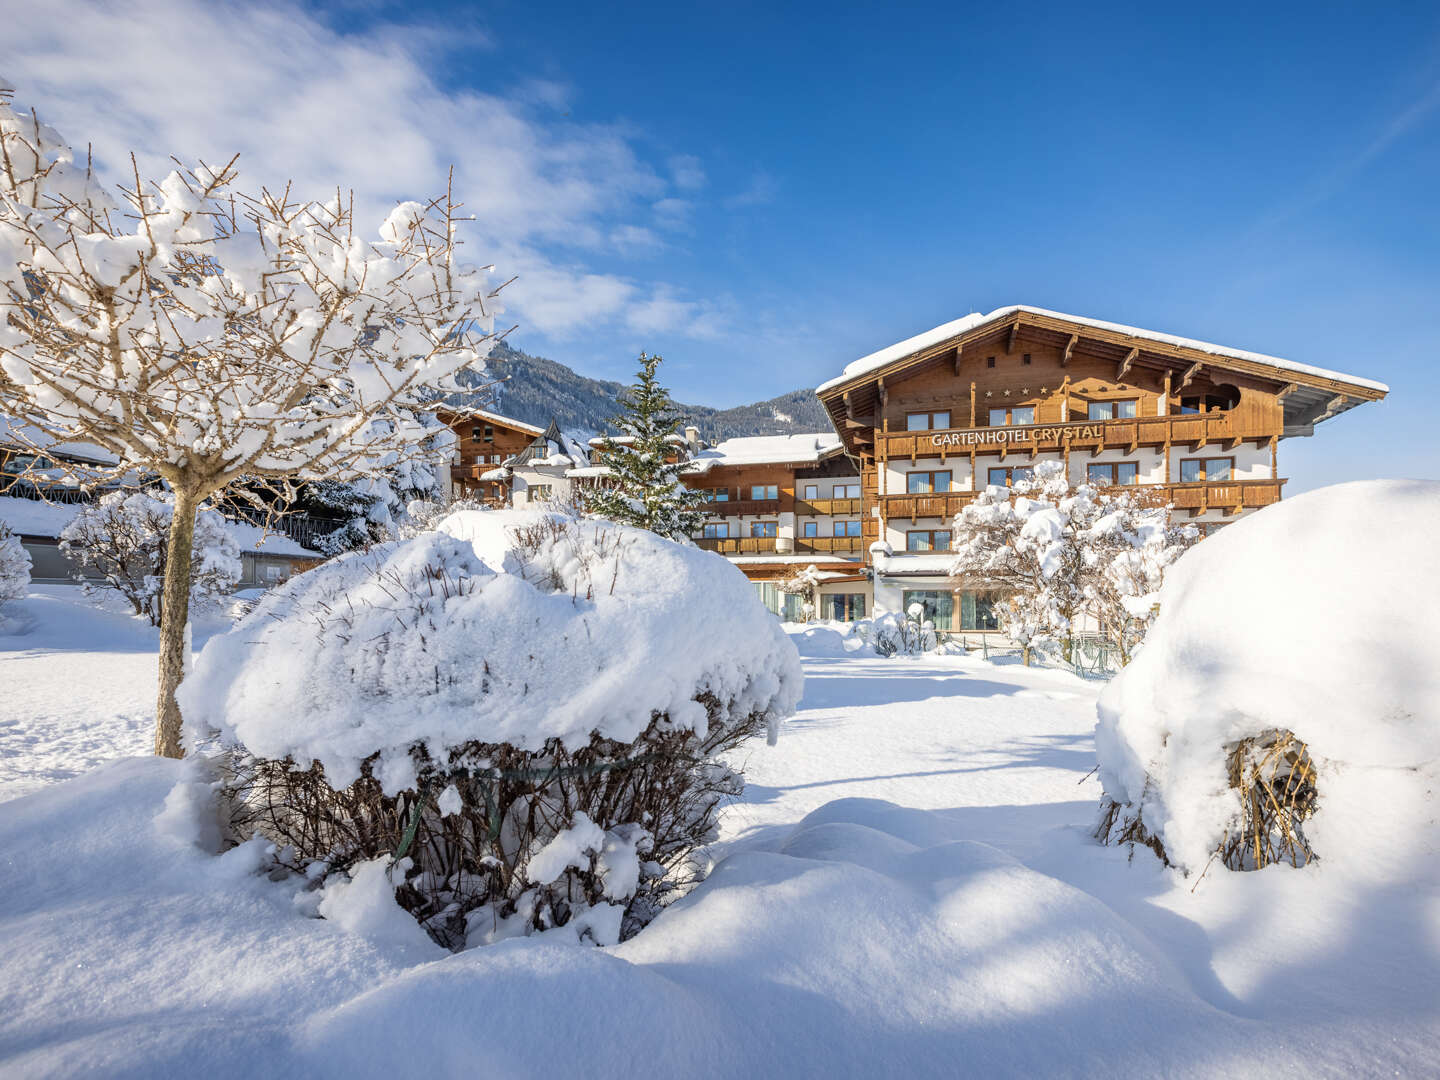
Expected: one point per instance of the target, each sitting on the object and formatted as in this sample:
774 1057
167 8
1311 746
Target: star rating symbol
1007 393
988 393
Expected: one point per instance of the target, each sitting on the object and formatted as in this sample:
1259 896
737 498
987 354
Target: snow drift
1316 616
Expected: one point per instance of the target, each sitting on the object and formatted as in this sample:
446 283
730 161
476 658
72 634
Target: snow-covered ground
908 888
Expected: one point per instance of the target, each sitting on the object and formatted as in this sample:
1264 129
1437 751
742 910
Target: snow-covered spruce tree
207 335
125 538
14 566
643 487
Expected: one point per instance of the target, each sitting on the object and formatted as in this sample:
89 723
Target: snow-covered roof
806 449
751 560
31 517
18 433
468 412
956 327
502 473
586 471
552 449
935 563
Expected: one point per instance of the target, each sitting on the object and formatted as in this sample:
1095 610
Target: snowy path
1004 747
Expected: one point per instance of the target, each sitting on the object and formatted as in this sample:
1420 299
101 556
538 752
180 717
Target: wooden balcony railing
737 545
1194 430
829 544
1228 496
470 472
743 508
818 507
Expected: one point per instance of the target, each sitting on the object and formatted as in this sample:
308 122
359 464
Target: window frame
773 526
949 475
1113 404
930 534
836 490
1205 477
1009 471
929 418
1114 469
1009 411
764 487
706 534
835 527
810 530
811 492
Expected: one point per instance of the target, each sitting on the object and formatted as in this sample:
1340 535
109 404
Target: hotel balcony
772 545
826 507
1227 496
1191 430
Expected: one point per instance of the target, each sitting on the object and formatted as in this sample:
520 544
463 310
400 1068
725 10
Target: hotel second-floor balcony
1194 431
771 545
1226 496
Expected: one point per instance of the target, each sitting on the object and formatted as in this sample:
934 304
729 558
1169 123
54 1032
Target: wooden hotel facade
932 420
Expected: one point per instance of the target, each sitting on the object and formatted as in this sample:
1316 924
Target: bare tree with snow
210 336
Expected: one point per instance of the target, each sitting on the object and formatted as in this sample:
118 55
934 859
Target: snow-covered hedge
14 566
1317 617
527 693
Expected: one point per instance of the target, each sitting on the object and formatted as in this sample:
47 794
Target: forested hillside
535 389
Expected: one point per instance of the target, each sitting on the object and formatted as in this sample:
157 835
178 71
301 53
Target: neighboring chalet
484 441
777 504
935 418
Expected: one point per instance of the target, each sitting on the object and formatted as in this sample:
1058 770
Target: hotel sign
1030 433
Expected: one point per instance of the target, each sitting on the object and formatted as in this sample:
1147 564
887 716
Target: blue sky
762 195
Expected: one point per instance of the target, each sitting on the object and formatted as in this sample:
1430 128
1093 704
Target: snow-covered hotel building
777 504
931 420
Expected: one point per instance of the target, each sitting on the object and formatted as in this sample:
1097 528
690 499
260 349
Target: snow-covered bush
528 706
425 515
1057 552
125 539
14 566
806 585
1294 670
888 633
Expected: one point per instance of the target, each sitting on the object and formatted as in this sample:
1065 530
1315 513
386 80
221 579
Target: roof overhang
853 400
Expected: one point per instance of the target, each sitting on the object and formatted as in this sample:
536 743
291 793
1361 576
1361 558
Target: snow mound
500 627
1315 616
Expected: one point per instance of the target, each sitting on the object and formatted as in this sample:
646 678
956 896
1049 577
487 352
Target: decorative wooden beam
1190 373
884 394
849 407
958 350
1126 364
1336 404
1069 348
1014 333
1286 391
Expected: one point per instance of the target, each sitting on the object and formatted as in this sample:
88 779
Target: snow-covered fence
528 708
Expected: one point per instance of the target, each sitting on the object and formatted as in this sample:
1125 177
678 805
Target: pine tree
644 488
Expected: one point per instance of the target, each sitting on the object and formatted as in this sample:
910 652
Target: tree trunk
174 617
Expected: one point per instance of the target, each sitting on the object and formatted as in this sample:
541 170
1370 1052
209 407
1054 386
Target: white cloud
301 100
762 189
688 172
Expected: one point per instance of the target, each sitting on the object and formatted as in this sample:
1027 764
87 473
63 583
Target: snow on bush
1294 669
14 566
527 705
124 538
1057 551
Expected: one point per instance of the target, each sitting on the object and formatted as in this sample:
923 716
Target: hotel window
1194 470
1123 473
927 483
847 528
927 421
843 607
763 528
977 611
1018 414
1111 410
927 540
1009 477
847 491
764 492
810 528
717 530
939 606
475 432
538 492
489 433
716 494
1206 403
812 491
